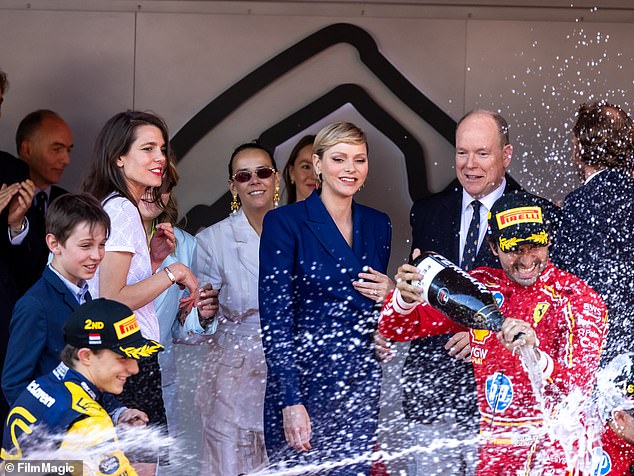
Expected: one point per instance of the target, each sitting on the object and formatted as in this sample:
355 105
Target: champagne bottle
456 294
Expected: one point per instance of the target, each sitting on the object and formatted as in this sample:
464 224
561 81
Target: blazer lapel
325 230
363 242
61 288
454 210
242 233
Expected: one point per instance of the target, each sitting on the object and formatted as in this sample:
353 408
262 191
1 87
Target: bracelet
170 275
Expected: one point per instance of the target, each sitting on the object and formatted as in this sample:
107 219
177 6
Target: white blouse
128 235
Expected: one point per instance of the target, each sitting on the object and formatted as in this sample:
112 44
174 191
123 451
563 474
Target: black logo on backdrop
222 106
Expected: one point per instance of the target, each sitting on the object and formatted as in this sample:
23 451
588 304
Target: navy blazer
316 327
596 243
435 222
36 336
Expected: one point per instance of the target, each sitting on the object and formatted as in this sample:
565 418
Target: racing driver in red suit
558 318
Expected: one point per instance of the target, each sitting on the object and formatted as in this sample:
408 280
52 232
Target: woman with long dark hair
130 157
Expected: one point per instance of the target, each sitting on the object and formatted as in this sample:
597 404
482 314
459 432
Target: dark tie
473 236
40 203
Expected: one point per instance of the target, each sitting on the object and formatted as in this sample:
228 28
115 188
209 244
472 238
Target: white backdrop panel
197 57
79 64
537 74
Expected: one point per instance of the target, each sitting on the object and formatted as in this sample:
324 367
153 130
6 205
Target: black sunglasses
244 176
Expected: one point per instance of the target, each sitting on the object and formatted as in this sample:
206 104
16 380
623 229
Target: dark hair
502 125
114 140
4 82
291 188
69 210
70 355
246 146
249 145
170 180
30 124
604 134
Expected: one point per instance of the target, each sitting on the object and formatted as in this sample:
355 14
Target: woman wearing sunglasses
322 265
230 394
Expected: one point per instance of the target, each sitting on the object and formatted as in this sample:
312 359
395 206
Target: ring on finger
374 292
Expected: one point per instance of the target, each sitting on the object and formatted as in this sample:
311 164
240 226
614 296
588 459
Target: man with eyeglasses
560 322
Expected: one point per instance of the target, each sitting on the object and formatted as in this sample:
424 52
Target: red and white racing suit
569 319
616 456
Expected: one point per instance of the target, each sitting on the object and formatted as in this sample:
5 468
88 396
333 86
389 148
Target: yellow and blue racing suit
65 404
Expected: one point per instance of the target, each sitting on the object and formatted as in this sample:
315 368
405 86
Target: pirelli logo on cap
515 216
126 327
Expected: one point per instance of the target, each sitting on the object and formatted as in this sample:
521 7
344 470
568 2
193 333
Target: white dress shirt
467 213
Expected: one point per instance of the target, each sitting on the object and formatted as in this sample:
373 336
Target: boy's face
79 257
109 371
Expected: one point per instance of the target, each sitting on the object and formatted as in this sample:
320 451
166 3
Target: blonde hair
337 133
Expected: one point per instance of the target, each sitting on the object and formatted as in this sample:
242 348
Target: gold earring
235 204
276 197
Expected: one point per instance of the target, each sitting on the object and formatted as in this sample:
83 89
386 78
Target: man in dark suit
14 172
439 390
596 236
43 143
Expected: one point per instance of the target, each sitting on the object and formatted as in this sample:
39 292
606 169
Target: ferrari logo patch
539 311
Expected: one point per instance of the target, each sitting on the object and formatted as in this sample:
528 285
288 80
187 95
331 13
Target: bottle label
429 268
448 264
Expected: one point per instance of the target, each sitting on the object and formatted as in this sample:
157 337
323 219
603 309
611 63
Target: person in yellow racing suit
103 345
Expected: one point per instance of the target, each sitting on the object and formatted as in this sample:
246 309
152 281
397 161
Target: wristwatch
22 228
170 275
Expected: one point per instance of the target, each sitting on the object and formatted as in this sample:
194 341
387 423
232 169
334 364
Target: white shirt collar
78 291
487 200
593 176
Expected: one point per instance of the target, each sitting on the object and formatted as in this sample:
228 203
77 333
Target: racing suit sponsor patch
499 392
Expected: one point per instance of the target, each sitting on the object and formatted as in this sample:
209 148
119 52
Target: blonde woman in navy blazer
322 265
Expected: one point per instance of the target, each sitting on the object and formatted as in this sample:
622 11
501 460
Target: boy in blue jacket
76 232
